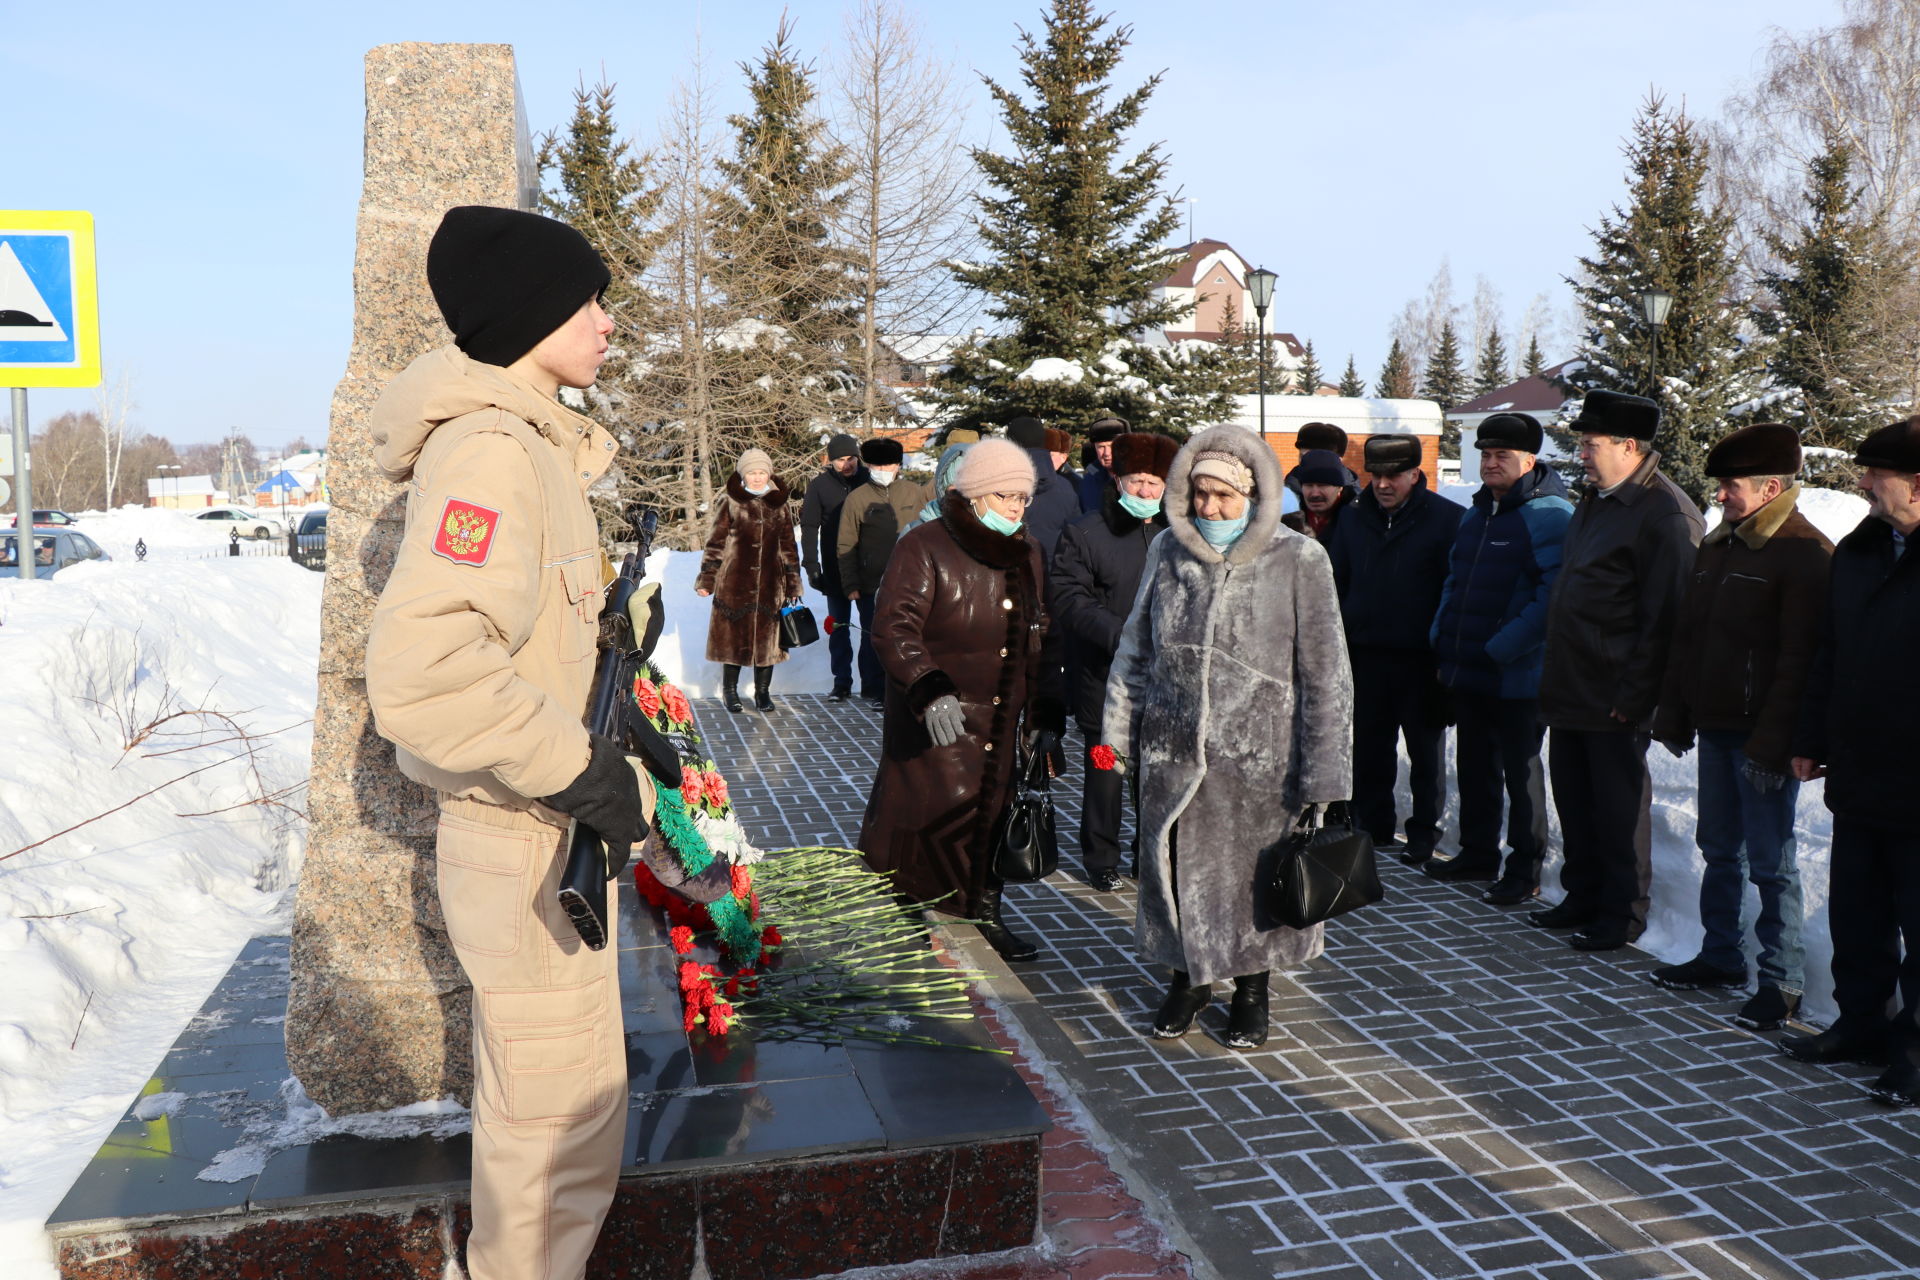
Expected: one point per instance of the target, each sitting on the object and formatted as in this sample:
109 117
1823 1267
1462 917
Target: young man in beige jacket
479 660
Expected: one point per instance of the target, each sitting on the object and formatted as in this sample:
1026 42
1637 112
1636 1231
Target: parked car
53 550
45 516
308 542
250 523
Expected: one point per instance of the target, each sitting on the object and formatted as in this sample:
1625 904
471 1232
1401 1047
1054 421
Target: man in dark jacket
1389 557
820 527
1100 473
871 521
1055 501
1745 638
1856 730
1090 588
1629 554
1326 489
1489 636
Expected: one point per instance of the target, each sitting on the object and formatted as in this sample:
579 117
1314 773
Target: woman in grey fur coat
1231 695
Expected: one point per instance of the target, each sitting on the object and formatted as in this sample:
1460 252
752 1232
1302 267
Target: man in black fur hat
1740 655
1856 730
1629 553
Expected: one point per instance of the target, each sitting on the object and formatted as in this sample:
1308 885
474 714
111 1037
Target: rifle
630 625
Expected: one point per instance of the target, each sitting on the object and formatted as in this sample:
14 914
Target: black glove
606 797
1044 744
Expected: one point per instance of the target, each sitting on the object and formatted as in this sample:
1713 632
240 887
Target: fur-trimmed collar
1122 521
995 550
1177 505
1757 528
774 497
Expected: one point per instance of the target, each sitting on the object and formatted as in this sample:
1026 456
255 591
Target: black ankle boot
1009 944
1247 1016
730 687
762 684
1182 1005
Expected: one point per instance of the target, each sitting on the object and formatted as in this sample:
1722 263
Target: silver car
53 550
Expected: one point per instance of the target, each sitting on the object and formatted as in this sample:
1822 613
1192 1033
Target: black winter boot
1009 944
762 685
1247 1016
1182 1005
730 687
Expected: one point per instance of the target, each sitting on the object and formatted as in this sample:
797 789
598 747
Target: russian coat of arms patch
465 535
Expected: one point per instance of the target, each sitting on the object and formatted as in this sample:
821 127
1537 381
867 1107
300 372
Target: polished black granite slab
699 1106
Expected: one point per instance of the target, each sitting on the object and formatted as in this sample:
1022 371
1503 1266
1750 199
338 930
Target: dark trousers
1873 902
840 642
873 677
1395 695
1497 770
1604 796
1101 795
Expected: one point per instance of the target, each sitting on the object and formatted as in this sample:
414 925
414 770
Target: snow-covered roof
1535 394
925 348
181 486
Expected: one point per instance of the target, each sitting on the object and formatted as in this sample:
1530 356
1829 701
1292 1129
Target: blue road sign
49 328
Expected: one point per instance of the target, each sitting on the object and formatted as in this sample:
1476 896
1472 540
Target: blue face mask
1139 508
1221 534
999 523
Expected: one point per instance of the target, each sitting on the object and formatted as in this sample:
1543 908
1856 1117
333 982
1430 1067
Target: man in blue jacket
1389 557
1490 636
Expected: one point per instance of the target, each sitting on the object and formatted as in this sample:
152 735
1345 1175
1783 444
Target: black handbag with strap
1324 870
1025 848
797 627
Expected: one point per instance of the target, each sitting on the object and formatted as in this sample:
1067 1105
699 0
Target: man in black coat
820 526
1628 556
1856 729
1099 475
1390 552
1090 588
1056 500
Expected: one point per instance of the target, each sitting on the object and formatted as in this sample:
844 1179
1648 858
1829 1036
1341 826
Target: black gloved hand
606 797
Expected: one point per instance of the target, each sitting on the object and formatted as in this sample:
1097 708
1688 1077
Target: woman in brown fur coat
751 569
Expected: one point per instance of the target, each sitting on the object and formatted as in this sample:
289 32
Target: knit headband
1224 467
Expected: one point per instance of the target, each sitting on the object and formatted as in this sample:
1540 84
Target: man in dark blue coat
1389 557
1856 730
820 527
1490 638
1056 501
1099 473
1090 588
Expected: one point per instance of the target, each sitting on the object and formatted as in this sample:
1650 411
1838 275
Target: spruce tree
1396 375
1446 385
1307 378
1491 372
1074 232
1824 292
1669 237
1534 362
1350 381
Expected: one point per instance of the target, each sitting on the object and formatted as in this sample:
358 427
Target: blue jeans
1747 835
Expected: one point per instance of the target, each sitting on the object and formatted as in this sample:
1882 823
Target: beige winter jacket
481 651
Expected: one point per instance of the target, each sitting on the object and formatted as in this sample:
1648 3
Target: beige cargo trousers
550 1072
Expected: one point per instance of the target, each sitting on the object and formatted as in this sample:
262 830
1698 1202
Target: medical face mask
1221 534
758 490
882 478
1139 508
999 523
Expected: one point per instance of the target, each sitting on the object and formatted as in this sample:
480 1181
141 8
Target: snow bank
112 935
682 652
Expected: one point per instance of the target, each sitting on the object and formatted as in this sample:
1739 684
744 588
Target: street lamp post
1260 286
1654 305
164 467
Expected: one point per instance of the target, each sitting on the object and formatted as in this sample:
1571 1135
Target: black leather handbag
797 627
1324 870
1025 848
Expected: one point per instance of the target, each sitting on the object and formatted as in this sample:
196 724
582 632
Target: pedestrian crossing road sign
49 312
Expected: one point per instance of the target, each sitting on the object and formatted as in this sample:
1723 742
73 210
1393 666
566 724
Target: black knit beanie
505 279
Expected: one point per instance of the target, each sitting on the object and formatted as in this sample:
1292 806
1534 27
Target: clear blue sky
1350 148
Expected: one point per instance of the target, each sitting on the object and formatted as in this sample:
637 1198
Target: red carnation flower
647 696
831 623
689 1019
742 882
676 703
681 937
771 937
1103 757
689 975
690 783
716 787
719 1018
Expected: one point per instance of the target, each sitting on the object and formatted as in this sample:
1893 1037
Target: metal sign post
23 523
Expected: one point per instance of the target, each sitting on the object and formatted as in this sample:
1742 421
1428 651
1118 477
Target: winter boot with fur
1009 944
730 688
763 688
1247 1016
1182 1005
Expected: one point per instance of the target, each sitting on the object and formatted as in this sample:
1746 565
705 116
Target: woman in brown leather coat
751 569
960 630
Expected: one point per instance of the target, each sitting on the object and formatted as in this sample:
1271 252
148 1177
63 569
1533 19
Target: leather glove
1762 780
944 720
606 797
813 578
1044 744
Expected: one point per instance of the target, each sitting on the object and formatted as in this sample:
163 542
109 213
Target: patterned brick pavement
1448 1092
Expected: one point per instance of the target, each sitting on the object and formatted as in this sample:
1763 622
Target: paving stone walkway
1448 1092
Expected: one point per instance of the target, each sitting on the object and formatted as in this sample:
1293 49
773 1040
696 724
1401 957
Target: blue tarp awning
285 480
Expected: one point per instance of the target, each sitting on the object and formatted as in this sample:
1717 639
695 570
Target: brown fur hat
1143 453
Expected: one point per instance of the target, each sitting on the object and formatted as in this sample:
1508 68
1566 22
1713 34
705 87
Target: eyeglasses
1012 499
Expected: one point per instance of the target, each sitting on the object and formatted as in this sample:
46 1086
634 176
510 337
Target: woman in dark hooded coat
1231 697
961 632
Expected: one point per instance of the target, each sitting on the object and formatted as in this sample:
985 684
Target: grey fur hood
1267 487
